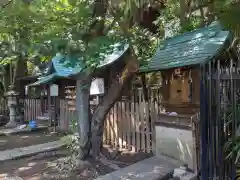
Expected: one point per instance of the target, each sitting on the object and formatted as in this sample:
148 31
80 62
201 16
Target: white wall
175 143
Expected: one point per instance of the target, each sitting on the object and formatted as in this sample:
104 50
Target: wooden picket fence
130 125
32 108
67 116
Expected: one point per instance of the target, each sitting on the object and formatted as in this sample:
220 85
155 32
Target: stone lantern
12 104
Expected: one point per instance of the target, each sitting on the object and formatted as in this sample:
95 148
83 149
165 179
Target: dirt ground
26 139
45 166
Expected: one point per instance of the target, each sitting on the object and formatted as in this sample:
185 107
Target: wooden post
54 113
49 104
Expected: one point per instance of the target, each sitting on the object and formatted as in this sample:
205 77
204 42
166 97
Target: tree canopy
31 32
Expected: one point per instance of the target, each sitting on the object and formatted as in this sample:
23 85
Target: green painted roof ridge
213 26
181 51
61 70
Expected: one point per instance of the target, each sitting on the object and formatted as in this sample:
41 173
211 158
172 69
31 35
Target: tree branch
4 5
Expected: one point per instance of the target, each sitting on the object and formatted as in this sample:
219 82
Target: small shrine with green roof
179 59
62 73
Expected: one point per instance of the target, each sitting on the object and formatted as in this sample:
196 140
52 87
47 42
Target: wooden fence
67 116
32 109
130 125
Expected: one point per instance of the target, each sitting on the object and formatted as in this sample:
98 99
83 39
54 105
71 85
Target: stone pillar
12 104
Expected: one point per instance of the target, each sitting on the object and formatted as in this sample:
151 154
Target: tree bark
84 119
110 98
6 77
183 13
20 70
210 13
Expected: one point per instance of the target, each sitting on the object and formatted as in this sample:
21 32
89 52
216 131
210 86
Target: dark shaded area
26 139
45 166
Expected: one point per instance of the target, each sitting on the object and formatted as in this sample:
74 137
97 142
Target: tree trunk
183 13
6 77
20 70
110 98
84 119
210 13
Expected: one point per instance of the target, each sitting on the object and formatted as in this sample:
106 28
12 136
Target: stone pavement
12 178
149 169
29 150
10 131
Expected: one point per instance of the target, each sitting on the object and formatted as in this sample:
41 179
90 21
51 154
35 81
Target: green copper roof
44 79
191 48
66 67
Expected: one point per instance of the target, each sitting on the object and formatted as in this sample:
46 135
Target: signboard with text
97 86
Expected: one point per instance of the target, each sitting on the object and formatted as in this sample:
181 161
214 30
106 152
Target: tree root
108 163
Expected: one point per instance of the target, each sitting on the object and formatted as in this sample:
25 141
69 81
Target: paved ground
46 167
17 153
46 162
26 139
20 129
149 169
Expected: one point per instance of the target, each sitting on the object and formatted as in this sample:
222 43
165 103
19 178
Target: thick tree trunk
183 13
84 119
111 97
20 71
6 76
210 13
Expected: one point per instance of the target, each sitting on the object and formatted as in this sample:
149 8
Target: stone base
176 143
182 174
13 178
11 124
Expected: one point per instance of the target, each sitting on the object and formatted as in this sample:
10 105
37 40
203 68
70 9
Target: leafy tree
31 30
87 29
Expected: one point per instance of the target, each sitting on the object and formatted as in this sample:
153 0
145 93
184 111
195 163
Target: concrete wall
175 143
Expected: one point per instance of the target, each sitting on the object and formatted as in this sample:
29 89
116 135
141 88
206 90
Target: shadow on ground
27 139
47 166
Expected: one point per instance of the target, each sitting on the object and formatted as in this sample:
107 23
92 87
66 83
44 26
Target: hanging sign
54 90
97 86
177 71
26 90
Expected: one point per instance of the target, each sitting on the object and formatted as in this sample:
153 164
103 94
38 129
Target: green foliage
228 13
35 29
72 141
73 126
232 146
144 42
169 20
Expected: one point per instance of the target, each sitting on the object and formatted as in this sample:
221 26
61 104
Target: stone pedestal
12 103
